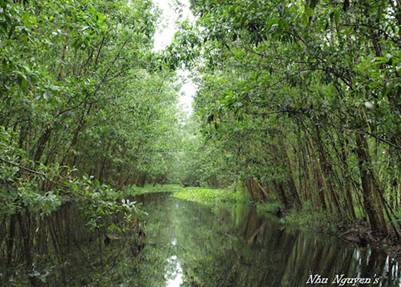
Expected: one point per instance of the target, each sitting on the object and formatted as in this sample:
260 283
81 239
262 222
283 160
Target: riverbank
357 232
306 219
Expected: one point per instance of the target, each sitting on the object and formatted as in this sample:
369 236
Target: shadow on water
186 245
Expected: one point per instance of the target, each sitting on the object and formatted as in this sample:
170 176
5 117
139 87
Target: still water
188 244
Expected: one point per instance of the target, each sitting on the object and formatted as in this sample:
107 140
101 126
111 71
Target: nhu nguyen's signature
342 280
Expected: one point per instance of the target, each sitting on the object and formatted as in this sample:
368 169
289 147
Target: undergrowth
305 218
210 196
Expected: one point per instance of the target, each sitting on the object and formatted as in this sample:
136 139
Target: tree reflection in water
186 245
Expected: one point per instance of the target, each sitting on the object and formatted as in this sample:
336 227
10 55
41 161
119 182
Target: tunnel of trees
298 101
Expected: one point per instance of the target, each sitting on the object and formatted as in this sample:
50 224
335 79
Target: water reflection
186 245
236 247
174 272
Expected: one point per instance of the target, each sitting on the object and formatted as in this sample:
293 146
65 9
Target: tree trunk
371 202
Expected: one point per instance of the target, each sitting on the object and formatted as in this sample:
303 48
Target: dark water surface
187 244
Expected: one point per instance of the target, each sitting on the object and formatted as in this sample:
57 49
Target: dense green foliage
81 94
302 98
198 163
